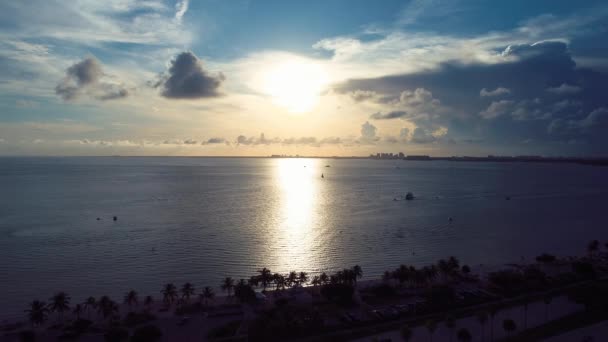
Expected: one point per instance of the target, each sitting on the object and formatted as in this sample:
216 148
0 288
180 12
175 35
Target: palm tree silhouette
324 278
509 326
265 277
148 302
89 305
406 333
60 303
279 281
107 307
131 298
207 294
316 281
464 335
302 278
77 311
187 291
482 318
227 285
593 247
292 279
169 292
358 272
431 326
37 312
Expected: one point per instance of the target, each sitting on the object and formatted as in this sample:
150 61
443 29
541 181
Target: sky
322 78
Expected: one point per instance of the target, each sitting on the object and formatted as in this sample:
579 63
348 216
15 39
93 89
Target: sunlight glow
297 180
296 84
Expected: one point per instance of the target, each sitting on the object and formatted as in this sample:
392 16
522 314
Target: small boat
328 165
409 196
322 176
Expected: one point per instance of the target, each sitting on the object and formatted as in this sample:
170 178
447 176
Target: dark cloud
542 86
86 77
216 141
565 88
186 79
390 115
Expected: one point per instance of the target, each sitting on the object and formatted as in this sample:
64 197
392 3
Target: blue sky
166 77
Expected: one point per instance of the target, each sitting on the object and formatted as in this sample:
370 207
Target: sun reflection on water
298 184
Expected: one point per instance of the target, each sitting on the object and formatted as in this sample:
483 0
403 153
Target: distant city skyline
322 78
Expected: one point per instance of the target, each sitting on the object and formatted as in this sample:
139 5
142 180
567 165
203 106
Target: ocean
202 219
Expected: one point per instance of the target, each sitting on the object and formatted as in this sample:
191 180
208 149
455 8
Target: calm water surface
201 219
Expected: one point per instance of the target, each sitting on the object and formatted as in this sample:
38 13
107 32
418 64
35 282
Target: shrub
27 336
341 294
546 258
133 319
147 333
116 334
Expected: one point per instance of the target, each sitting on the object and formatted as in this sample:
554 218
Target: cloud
86 77
368 134
390 115
565 88
496 92
181 7
496 109
186 79
422 136
593 126
526 70
215 141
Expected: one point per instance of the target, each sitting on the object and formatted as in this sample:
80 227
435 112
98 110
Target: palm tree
131 298
90 304
357 272
593 247
324 278
77 311
464 335
316 281
254 281
265 277
450 324
228 285
148 301
454 263
279 281
386 277
169 292
406 333
302 278
509 326
187 291
60 303
431 326
482 318
207 294
37 312
292 279
445 269
107 307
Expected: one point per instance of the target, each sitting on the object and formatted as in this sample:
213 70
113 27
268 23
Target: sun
296 84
